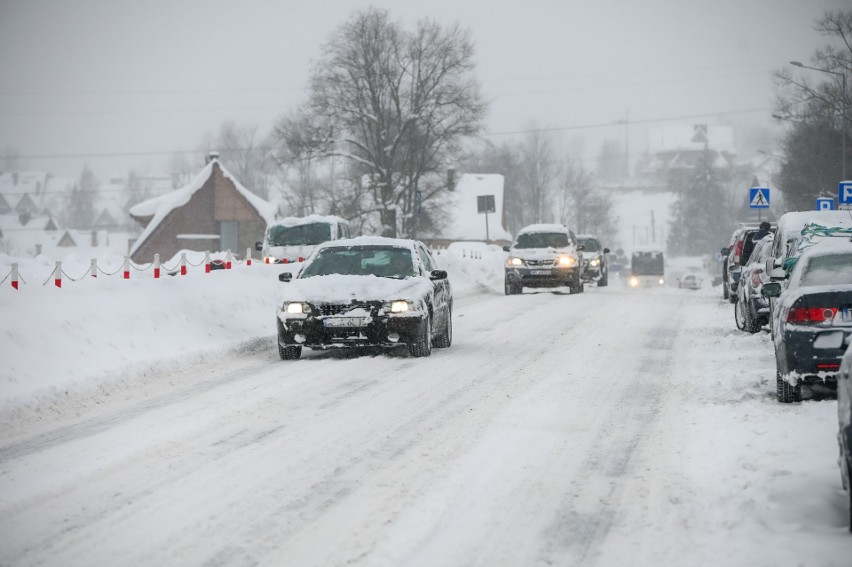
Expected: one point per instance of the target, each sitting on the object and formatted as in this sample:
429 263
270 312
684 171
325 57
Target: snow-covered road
614 427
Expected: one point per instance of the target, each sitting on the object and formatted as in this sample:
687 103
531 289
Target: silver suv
544 255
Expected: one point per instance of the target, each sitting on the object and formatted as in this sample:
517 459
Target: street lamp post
844 107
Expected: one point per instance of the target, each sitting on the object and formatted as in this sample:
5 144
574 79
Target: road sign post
758 198
485 204
844 193
825 204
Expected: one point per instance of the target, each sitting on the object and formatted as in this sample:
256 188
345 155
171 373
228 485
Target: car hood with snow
339 288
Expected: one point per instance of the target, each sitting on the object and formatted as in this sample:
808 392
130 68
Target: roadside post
485 204
758 198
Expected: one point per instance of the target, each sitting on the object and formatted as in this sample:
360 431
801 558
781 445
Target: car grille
539 262
338 308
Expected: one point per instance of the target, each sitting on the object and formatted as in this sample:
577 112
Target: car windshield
830 269
590 244
386 262
542 240
647 264
299 235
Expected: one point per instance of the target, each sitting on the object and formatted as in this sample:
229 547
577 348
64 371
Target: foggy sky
87 77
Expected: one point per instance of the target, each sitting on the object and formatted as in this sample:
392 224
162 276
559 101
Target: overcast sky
83 78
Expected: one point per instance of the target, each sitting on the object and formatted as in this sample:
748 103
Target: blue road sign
758 197
825 204
845 190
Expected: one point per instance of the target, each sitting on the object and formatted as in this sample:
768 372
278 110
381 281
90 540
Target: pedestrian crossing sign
758 197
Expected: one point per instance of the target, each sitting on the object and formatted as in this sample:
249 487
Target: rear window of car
829 269
542 240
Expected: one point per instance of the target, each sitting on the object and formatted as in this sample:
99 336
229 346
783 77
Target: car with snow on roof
812 319
366 291
293 239
751 309
595 261
544 256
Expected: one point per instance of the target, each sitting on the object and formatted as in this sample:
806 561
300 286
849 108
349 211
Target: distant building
213 212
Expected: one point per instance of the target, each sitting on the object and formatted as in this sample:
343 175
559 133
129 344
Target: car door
441 297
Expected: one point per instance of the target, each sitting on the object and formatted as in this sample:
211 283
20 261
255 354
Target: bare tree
816 102
243 152
538 174
397 104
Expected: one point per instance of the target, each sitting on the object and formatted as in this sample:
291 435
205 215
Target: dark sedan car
366 291
844 418
813 319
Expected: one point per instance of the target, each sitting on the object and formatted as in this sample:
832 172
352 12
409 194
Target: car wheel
289 352
724 290
739 316
786 392
732 297
604 279
445 339
422 345
511 288
752 325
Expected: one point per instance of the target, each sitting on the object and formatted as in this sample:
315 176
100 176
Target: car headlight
566 261
514 262
400 307
634 281
296 308
595 262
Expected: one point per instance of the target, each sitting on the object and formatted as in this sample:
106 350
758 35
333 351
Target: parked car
733 260
689 281
544 255
788 236
293 239
647 268
366 291
812 318
751 309
844 418
595 261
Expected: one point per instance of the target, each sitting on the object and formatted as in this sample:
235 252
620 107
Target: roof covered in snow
160 207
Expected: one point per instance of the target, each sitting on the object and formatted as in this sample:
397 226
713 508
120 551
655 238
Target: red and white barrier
156 266
228 259
57 274
93 269
126 268
207 262
248 256
183 263
15 276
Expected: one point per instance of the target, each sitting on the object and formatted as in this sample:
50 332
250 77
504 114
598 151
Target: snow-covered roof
310 219
544 227
368 241
160 207
793 222
465 222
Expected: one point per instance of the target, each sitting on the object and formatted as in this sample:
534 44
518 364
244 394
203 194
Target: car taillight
755 277
813 315
739 251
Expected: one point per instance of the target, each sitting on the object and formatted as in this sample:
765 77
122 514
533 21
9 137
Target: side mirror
777 274
285 277
771 289
438 275
258 246
506 248
607 251
724 252
580 248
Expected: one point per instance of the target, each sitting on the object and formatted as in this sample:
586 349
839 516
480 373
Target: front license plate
539 272
345 322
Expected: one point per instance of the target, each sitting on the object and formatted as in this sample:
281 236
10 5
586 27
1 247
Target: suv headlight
514 262
296 308
595 262
566 261
400 307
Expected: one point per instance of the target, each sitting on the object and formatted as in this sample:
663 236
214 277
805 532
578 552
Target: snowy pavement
615 427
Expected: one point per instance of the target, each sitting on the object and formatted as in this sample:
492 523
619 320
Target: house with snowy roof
465 222
214 212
